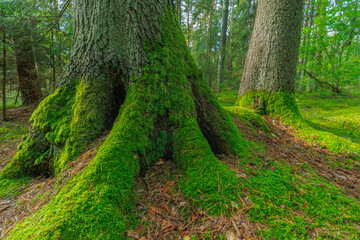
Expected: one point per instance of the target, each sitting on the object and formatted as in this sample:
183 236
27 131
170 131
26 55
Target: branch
56 22
333 88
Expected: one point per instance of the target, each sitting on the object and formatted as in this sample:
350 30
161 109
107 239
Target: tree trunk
221 66
130 71
52 84
302 60
188 22
229 66
28 78
4 76
270 65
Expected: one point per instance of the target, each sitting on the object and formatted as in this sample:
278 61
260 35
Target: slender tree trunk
229 66
53 57
271 61
224 25
311 83
178 9
303 44
131 72
4 76
28 78
188 22
208 31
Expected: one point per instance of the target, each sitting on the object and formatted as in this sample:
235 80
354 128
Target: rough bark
271 61
224 25
129 61
25 62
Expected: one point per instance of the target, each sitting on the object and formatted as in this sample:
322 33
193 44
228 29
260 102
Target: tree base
168 111
281 104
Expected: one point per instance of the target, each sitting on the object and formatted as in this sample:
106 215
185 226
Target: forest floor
292 188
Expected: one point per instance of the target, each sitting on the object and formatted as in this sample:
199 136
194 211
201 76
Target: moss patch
282 105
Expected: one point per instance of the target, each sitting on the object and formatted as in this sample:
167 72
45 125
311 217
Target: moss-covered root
209 183
215 123
98 204
281 104
61 126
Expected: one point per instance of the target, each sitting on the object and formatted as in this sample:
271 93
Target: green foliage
330 44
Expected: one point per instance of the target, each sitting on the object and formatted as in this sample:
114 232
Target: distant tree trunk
188 22
4 76
28 78
311 82
272 57
53 57
303 44
224 25
229 66
178 9
208 31
130 71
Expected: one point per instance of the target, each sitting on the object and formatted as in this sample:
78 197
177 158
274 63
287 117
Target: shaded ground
164 213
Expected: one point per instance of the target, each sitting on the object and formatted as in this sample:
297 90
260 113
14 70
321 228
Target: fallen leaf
230 235
234 204
195 215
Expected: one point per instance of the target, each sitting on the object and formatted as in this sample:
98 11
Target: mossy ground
292 189
160 110
330 121
296 199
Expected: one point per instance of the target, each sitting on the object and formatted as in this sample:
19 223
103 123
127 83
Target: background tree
223 37
268 81
50 51
142 82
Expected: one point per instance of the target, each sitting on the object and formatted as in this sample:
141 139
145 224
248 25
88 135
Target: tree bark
270 64
272 57
28 78
224 25
130 71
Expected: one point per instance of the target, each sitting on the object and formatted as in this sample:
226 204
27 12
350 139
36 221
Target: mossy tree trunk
29 84
270 64
131 71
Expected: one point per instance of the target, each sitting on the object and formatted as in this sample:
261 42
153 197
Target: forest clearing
147 119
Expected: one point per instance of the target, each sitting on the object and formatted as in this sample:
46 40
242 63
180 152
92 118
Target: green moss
281 104
10 187
293 205
249 116
62 125
160 114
